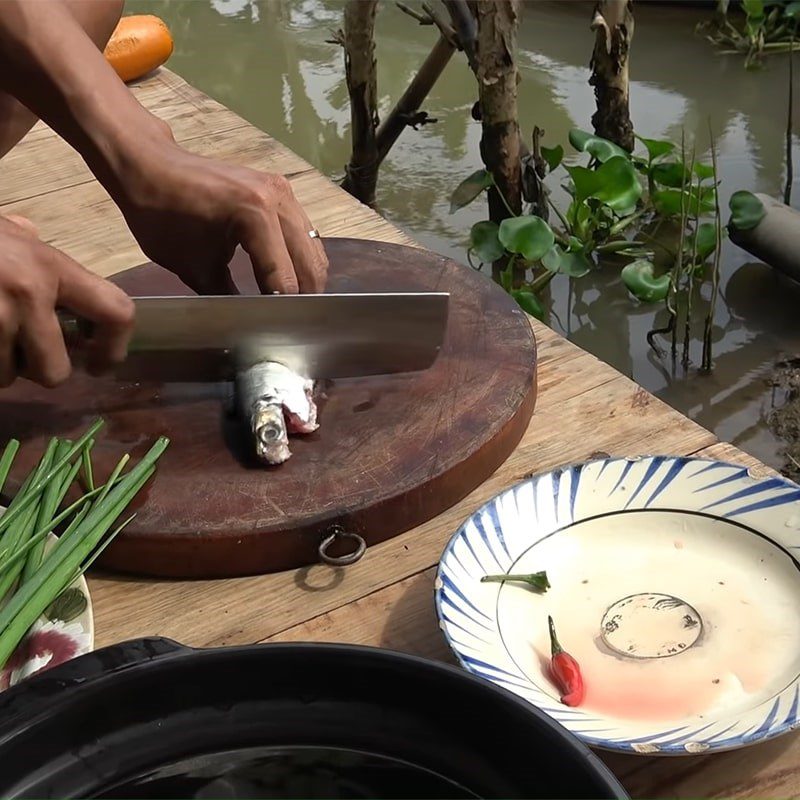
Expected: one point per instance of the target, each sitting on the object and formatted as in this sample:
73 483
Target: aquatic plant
622 205
765 27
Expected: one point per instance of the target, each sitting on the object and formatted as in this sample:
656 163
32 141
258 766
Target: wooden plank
605 411
43 163
85 223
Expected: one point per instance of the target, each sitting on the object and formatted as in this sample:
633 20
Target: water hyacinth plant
623 206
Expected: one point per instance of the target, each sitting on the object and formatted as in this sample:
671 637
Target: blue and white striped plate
673 581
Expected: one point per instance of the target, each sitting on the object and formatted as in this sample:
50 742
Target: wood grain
584 407
391 451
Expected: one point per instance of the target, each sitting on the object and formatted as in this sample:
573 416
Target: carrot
140 43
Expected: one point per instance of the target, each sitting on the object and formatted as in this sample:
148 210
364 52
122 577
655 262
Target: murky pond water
269 62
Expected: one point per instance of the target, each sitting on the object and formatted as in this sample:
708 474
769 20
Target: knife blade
203 339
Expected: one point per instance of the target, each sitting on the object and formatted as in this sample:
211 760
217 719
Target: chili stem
538 580
555 646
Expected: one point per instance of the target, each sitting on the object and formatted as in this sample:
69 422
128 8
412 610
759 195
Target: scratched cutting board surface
391 451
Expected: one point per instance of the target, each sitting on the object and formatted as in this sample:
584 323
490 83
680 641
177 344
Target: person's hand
189 213
35 279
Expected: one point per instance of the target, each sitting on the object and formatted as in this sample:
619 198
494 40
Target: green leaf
792 10
704 171
668 201
575 244
507 277
672 174
746 210
585 181
553 156
614 183
576 265
706 240
600 148
483 240
69 605
708 197
469 189
529 236
552 258
527 302
753 8
640 279
619 186
656 148
573 264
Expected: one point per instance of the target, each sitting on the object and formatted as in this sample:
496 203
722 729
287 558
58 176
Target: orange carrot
140 43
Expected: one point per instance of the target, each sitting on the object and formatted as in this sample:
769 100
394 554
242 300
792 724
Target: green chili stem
555 646
538 580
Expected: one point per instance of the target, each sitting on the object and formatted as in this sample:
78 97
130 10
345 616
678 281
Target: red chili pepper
565 670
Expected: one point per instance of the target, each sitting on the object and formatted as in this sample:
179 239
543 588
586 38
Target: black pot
151 718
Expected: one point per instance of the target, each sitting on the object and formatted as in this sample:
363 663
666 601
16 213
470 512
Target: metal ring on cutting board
337 532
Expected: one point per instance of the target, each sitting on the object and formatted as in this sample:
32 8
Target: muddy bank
784 418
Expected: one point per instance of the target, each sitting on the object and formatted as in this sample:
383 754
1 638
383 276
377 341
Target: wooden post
497 87
361 70
613 27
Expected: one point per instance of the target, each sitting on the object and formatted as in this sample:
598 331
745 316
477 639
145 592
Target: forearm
52 66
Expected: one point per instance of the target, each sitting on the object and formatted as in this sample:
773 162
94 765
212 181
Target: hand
35 279
189 213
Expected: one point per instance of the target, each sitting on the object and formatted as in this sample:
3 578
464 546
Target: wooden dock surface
386 600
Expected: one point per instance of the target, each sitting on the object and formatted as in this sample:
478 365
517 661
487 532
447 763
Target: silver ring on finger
314 233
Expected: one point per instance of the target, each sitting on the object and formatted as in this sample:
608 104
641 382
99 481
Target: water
291 772
268 60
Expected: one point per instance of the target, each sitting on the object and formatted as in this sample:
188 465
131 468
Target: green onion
51 500
18 533
6 460
33 576
87 466
36 488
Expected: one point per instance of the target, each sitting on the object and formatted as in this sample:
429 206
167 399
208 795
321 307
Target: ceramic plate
65 631
674 583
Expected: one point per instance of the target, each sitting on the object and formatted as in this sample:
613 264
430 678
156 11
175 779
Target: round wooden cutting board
391 451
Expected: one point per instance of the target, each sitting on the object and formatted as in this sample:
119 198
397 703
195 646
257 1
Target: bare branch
337 38
465 23
408 105
444 27
423 19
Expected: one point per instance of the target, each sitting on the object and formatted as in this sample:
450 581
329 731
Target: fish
276 402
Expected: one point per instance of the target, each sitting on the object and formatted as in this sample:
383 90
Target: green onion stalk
33 576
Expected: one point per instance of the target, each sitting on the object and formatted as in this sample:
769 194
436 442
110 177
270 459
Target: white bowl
51 642
674 582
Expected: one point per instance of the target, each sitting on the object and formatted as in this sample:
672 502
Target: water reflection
268 60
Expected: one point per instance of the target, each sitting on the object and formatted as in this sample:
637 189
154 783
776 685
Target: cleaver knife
319 336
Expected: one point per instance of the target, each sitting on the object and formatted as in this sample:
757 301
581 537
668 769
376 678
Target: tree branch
413 97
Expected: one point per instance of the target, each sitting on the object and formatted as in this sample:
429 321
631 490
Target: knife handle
74 330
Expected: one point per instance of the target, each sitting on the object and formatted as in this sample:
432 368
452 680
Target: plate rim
698 746
87 614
